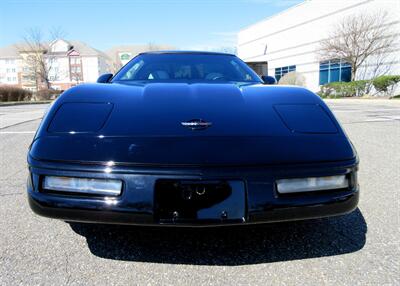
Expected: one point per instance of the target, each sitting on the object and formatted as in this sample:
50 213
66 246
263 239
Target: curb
24 102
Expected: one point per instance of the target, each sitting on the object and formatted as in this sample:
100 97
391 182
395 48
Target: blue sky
190 24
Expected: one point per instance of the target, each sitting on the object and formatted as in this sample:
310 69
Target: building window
280 72
75 61
333 71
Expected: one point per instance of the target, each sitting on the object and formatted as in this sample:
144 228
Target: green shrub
343 89
386 83
359 87
13 93
47 94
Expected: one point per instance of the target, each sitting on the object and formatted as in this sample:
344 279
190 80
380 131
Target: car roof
187 52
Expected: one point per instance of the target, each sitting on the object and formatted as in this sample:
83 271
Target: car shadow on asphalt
240 245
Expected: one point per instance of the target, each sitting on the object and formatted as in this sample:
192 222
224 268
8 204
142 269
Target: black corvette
190 138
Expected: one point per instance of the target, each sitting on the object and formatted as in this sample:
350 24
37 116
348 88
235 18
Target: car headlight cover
105 187
287 186
73 117
306 118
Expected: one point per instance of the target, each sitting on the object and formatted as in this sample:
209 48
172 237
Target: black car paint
257 139
144 126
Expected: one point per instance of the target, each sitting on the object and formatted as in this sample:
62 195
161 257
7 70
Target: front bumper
136 205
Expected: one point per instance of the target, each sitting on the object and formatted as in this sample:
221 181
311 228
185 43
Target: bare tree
32 51
76 73
39 61
226 49
357 39
57 33
151 47
377 65
293 78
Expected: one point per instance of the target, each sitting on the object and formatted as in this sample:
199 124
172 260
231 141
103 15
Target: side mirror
268 79
105 78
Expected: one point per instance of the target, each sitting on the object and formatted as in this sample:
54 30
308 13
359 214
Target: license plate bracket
192 201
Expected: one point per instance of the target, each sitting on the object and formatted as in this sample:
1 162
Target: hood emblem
196 124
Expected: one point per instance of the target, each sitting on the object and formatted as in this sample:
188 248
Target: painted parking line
379 119
6 126
17 132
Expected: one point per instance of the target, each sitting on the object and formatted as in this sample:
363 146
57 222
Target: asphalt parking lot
362 248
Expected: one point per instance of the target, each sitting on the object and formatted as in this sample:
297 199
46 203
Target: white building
289 41
69 63
10 69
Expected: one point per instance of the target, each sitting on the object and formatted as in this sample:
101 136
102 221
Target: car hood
142 124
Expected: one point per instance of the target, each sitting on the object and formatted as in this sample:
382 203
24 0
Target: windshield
186 67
